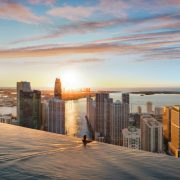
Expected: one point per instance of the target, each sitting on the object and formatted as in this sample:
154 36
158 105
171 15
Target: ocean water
76 124
158 100
8 110
33 154
76 109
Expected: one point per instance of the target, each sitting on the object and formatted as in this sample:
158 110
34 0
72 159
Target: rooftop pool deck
33 154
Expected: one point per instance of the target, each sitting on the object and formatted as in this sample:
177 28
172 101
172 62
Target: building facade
30 109
132 138
125 98
139 109
44 115
101 111
91 112
149 107
151 135
56 118
119 114
21 86
58 89
167 123
174 145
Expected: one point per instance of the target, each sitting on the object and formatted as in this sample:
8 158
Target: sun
71 79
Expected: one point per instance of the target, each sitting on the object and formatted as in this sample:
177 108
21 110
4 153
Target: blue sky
96 43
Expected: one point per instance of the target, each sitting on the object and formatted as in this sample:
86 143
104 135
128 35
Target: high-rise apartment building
55 122
30 109
119 114
149 107
132 138
158 111
125 98
107 123
56 119
58 89
91 112
101 129
107 118
44 114
167 123
21 86
151 134
139 109
174 145
101 99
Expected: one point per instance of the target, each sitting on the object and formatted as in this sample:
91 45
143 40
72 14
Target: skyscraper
57 89
91 112
158 111
56 118
132 138
44 114
24 86
151 134
149 107
167 123
174 145
125 98
139 109
100 113
107 122
55 122
119 114
30 109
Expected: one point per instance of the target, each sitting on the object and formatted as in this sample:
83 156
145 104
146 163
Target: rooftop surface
33 154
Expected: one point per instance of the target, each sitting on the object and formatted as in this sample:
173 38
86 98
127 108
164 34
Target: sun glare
71 80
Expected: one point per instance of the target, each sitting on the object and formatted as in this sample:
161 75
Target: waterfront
158 100
76 124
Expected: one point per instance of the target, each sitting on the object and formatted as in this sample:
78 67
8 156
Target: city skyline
98 43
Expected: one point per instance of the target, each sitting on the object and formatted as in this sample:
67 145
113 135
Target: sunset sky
90 43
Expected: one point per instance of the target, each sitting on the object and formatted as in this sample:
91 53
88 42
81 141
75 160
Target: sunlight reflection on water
76 124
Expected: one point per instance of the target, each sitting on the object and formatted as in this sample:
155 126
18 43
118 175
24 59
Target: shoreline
154 92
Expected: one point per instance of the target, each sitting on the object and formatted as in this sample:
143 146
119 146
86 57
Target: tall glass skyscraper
57 89
56 119
21 86
55 122
30 109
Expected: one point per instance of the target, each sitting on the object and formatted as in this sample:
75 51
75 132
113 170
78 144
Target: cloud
75 13
71 29
84 27
57 51
113 7
42 1
146 46
72 13
18 12
144 37
86 60
64 62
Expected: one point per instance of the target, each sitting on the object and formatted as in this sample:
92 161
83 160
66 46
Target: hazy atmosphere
90 43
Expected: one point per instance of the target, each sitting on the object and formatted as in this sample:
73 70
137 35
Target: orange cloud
72 13
18 12
57 51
